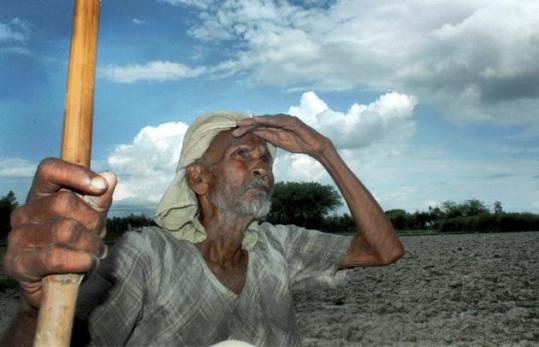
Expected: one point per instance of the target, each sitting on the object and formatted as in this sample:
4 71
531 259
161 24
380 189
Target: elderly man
209 272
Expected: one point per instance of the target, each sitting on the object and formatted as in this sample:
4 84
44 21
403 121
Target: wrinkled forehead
225 141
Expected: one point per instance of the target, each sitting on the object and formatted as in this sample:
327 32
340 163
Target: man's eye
266 158
242 152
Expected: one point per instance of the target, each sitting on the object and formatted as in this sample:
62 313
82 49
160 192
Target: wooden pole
57 308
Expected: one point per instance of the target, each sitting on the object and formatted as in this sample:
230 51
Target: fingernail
104 253
98 183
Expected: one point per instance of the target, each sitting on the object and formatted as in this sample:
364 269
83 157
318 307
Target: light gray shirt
157 290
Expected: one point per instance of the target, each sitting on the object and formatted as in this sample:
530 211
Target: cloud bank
362 125
146 166
475 60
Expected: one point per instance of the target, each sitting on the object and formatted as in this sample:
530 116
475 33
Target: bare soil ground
458 290
448 290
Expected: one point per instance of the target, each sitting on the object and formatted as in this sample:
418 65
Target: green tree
118 225
450 209
399 218
421 220
435 214
302 203
498 207
339 224
7 204
473 207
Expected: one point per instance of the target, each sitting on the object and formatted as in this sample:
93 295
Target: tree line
314 205
468 216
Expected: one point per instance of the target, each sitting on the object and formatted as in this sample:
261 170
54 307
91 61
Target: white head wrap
177 211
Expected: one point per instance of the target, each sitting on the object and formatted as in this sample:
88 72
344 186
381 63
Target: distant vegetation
306 204
485 223
313 205
118 225
468 216
7 204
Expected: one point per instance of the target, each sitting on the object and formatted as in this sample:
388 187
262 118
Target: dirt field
464 290
457 290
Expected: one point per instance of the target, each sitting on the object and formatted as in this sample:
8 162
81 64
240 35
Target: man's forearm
23 329
376 242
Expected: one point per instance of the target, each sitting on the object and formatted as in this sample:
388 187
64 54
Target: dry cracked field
464 290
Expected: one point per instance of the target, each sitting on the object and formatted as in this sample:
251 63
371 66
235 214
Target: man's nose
260 172
261 169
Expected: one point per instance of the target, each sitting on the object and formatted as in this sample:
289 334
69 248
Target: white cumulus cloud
146 166
151 71
362 124
384 126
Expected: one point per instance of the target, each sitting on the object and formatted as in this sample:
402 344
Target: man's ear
197 178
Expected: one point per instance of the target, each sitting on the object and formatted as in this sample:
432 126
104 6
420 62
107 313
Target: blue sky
426 101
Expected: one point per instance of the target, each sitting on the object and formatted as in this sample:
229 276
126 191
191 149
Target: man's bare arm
376 242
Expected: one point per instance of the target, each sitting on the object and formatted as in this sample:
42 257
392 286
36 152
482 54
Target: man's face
242 180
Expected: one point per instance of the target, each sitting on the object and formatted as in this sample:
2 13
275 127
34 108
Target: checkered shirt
155 290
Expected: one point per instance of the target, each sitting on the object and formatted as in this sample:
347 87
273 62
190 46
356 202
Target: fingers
282 121
58 230
271 135
286 132
64 204
278 120
31 266
53 174
90 212
55 246
28 268
66 233
242 130
101 203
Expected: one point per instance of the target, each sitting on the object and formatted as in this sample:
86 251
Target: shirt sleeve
313 257
111 300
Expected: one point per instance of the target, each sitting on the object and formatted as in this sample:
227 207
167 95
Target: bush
399 218
339 224
118 225
519 222
304 204
492 223
7 204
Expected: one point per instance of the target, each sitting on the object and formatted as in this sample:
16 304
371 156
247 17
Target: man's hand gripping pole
57 308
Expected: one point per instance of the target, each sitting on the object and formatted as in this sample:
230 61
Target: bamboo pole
55 320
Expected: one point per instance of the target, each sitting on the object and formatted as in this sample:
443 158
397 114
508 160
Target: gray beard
227 200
